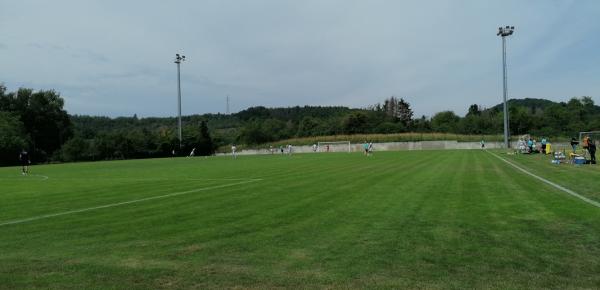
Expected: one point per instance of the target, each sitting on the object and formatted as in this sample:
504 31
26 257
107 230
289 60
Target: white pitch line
22 177
573 193
151 179
44 177
124 203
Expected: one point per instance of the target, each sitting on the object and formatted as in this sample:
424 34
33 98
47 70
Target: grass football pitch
420 219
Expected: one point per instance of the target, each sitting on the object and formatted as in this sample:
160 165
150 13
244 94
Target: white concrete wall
393 146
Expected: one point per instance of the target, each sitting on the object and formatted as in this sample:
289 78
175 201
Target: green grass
420 219
584 179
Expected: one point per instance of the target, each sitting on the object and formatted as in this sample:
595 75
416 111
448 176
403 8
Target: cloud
76 53
114 57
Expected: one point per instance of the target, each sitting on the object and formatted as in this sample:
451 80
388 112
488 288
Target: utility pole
178 60
227 109
504 32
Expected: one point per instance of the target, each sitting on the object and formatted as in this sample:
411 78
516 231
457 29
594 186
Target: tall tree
404 112
204 142
252 133
356 122
46 122
445 122
390 107
307 127
12 138
398 110
474 110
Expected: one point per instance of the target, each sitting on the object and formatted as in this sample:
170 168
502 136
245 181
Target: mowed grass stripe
79 194
304 253
99 195
85 195
292 203
554 223
326 205
262 241
550 183
542 194
430 219
579 178
122 203
365 222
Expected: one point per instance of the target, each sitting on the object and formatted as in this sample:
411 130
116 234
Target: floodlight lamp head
179 58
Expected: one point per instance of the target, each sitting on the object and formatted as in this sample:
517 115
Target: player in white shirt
289 149
233 151
24 158
192 153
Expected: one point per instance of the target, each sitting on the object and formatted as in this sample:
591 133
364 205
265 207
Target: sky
115 58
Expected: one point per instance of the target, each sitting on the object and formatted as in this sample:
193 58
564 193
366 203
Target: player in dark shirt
24 158
574 144
592 150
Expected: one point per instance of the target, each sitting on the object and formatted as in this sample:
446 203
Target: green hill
530 103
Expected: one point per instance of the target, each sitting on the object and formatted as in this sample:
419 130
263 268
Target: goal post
594 135
337 146
585 138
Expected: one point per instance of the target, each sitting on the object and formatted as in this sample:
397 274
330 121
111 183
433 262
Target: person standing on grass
544 142
366 148
314 147
289 147
25 161
521 145
233 151
574 144
370 148
592 150
586 142
482 144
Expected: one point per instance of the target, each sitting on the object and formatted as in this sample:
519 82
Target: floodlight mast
178 60
504 32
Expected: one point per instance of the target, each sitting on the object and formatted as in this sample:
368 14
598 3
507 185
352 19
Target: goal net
338 146
588 137
594 135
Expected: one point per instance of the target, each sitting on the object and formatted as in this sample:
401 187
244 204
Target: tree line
37 121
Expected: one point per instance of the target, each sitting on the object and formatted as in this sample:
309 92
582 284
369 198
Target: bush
75 149
12 138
